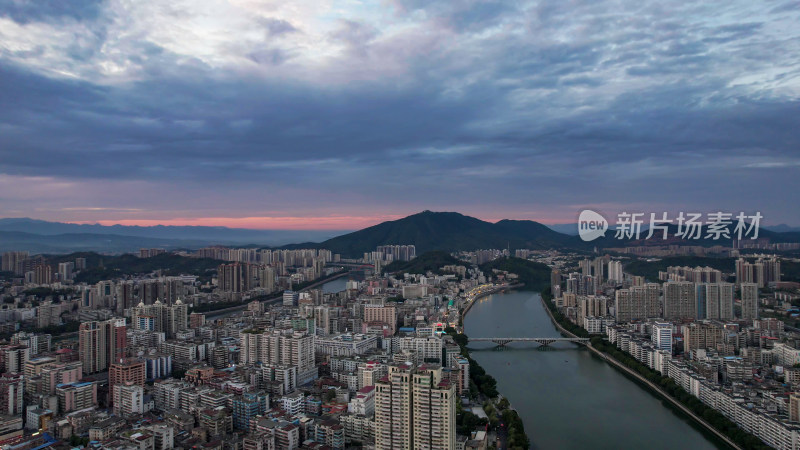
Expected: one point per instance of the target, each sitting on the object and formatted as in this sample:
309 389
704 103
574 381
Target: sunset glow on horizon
343 223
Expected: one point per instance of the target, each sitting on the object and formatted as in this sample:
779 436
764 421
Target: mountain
207 235
782 228
450 231
565 228
533 275
72 242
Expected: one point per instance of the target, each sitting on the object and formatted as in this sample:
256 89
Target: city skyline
145 113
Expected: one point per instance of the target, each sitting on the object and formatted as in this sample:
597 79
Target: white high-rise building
128 399
662 336
615 271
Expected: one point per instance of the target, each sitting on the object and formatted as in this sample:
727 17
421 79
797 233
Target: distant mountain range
566 228
782 228
452 231
448 231
39 236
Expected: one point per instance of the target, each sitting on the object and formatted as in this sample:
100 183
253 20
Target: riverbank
641 379
515 435
480 295
483 390
324 280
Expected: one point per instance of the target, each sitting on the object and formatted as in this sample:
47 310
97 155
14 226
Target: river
336 285
568 398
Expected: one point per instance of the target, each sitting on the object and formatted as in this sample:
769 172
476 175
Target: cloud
242 109
24 12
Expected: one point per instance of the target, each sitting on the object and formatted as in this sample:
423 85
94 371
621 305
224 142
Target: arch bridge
502 341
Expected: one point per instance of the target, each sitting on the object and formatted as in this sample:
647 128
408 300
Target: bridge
350 265
502 341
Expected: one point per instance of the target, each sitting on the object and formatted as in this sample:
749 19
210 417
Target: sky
342 114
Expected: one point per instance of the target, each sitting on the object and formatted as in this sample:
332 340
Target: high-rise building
11 394
65 270
230 277
128 399
101 343
585 266
43 274
597 269
247 406
197 320
385 314
762 271
74 396
415 408
591 306
126 371
701 335
290 298
396 252
700 300
794 407
266 278
160 317
279 348
749 301
662 336
680 300
10 260
615 271
13 358
638 303
719 299
555 279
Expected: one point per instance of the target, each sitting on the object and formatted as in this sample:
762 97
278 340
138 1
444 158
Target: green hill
450 231
650 269
103 267
427 261
535 276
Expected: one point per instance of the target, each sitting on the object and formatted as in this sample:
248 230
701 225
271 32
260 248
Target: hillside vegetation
650 269
535 276
449 231
429 261
102 267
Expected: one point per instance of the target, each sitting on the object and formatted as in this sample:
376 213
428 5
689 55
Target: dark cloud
493 105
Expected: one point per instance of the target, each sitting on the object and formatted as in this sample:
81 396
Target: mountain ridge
450 231
183 232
